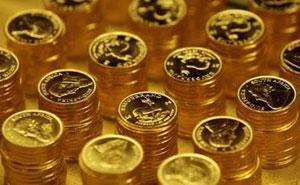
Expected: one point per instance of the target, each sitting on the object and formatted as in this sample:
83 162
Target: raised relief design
291 56
4 64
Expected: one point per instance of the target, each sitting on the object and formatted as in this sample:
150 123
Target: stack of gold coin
151 119
269 104
290 63
111 160
32 149
198 13
71 94
193 80
189 169
118 63
159 22
11 93
83 20
229 141
35 37
282 22
238 37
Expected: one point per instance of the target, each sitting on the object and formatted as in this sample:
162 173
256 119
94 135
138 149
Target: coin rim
17 63
68 8
255 6
282 59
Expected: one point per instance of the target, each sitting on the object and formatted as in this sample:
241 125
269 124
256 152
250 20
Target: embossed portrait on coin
291 56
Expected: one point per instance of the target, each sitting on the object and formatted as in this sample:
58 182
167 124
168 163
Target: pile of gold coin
159 22
269 104
189 169
118 62
35 36
290 63
193 80
198 12
238 37
32 149
111 160
151 119
229 141
72 95
82 19
11 94
282 22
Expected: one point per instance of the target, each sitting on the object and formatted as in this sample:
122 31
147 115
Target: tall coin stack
193 80
151 119
269 104
111 160
229 141
32 149
35 36
82 19
72 95
189 169
11 93
290 63
118 62
159 23
282 22
237 36
198 13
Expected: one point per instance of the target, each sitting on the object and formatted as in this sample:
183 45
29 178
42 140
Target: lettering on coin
193 64
266 94
291 56
8 64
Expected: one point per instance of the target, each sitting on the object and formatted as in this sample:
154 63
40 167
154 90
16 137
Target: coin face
189 169
266 93
290 57
222 134
277 5
112 154
235 27
71 2
148 110
193 64
34 27
8 64
158 13
118 50
66 86
32 128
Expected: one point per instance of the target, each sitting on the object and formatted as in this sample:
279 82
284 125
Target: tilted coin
275 5
9 64
290 57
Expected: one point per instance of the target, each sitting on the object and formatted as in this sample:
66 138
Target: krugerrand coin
229 141
238 37
159 22
282 22
35 36
113 160
72 95
83 19
11 92
118 61
189 169
193 80
32 149
269 104
151 119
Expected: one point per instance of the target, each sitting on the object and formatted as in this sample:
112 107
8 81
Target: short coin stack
82 19
193 80
151 119
111 160
282 22
35 36
237 36
11 94
290 63
118 62
72 95
229 141
269 104
189 169
32 149
158 21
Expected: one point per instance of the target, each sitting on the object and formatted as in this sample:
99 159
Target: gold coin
189 169
276 6
290 57
9 64
68 5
